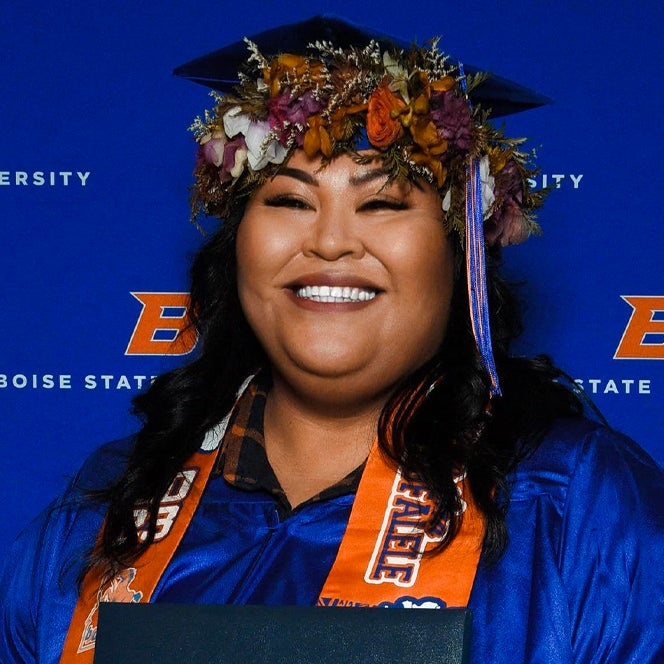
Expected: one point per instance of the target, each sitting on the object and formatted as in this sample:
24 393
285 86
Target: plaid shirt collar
243 461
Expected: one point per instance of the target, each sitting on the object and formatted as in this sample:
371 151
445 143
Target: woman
351 433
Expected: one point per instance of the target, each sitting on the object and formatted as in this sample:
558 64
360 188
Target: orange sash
176 510
380 561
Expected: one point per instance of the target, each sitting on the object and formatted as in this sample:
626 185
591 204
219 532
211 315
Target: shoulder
104 466
578 455
57 522
597 501
98 471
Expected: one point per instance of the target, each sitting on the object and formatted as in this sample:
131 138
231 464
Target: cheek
247 251
424 260
438 274
260 250
427 281
253 271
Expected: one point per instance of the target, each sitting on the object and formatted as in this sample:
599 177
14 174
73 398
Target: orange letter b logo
163 326
643 338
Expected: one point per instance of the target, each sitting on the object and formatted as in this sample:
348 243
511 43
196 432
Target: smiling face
346 280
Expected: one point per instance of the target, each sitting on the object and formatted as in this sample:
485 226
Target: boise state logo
408 602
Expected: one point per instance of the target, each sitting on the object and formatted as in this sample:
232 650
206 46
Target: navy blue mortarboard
218 70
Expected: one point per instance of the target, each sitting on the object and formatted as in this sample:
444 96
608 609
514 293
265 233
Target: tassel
476 272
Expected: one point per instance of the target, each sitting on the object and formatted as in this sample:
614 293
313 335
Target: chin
331 365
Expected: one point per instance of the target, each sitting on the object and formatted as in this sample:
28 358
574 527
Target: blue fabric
582 579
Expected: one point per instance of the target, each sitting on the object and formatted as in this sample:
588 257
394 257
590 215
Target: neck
312 445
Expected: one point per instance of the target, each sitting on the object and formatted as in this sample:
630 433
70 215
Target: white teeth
335 294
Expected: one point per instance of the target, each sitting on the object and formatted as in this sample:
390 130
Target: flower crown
408 108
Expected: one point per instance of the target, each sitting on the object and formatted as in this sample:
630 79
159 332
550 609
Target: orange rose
383 125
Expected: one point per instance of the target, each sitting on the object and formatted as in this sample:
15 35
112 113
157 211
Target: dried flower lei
408 108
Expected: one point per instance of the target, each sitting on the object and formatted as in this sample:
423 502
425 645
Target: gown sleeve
611 553
39 577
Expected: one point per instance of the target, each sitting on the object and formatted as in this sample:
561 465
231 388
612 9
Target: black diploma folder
194 634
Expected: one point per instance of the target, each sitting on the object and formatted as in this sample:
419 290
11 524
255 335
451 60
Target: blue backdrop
95 161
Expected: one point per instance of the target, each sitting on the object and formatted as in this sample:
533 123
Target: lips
335 294
318 290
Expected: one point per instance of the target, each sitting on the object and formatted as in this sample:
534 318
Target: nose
335 233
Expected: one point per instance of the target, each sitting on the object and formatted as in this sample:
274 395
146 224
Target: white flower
261 150
488 185
236 122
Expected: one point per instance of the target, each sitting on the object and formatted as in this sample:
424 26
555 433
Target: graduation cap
219 69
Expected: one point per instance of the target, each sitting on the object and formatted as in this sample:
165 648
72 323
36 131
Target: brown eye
383 204
287 201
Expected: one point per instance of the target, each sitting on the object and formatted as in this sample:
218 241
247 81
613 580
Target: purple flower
451 116
507 225
509 184
212 151
284 109
200 158
235 155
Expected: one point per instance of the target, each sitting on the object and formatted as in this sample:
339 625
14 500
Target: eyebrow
298 174
378 174
368 176
355 180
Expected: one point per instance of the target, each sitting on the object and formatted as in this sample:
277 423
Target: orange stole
137 583
381 559
176 510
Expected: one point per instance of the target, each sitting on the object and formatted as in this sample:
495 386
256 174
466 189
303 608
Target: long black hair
437 422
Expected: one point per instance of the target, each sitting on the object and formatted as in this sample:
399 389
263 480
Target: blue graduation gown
582 579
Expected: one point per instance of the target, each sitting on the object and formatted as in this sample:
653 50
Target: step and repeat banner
95 161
